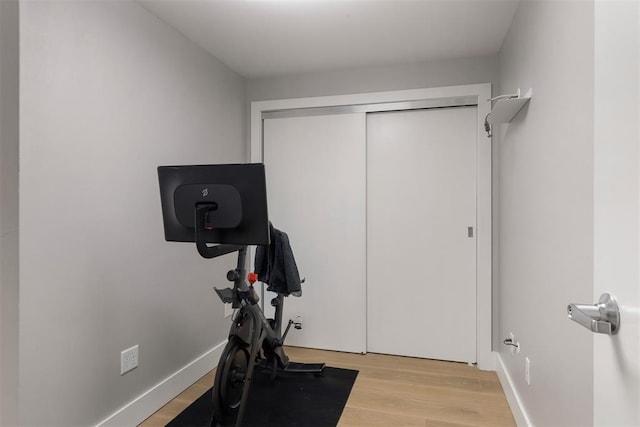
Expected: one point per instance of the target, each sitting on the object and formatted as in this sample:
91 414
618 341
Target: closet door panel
316 188
421 191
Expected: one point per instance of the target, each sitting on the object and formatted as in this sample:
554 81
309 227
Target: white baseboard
513 398
143 406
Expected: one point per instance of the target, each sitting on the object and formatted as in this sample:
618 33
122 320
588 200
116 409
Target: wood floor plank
434 409
352 417
394 391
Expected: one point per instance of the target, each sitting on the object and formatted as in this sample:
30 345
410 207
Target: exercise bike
254 341
226 204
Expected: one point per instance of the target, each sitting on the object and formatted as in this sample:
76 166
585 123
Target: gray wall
546 208
108 93
9 213
375 79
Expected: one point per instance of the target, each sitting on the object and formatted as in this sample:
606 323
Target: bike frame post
256 341
244 291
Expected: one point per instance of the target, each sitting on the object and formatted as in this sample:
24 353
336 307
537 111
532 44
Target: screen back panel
239 191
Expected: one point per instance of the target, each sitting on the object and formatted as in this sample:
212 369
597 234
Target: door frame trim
482 92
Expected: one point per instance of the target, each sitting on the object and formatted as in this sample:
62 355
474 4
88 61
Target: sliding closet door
421 219
316 189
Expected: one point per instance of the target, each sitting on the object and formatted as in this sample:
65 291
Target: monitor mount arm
201 225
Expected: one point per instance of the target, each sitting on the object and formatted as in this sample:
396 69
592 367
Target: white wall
108 93
546 208
8 213
375 79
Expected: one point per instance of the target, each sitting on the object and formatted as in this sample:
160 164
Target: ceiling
263 38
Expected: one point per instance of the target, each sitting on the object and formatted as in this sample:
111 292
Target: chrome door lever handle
602 318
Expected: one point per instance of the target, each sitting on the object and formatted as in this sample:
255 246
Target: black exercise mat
291 400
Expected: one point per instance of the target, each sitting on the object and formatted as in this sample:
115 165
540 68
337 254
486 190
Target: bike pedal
305 368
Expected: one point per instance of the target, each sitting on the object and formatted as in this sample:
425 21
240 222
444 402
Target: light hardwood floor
393 391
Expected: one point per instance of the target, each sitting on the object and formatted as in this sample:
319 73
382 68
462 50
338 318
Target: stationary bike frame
258 333
249 324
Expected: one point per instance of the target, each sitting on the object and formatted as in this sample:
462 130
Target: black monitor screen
234 195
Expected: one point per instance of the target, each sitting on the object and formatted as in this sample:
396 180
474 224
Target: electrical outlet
297 323
128 359
527 370
228 310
